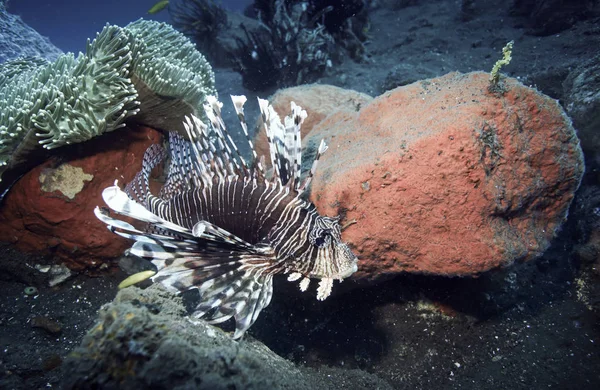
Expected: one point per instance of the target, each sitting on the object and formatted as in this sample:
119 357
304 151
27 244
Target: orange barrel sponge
50 210
445 177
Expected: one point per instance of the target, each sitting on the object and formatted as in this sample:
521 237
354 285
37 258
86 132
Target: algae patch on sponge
66 178
145 72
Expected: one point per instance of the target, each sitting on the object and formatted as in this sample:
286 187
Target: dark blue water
69 23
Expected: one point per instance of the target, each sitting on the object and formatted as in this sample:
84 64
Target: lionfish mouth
347 273
202 228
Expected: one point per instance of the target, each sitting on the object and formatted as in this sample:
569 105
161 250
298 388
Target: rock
143 340
49 325
406 73
582 102
553 16
444 177
51 362
585 232
59 273
17 39
318 100
50 210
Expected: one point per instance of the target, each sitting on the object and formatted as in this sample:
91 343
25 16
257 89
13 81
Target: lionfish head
334 259
325 256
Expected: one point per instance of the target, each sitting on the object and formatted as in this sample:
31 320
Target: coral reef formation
146 70
201 21
18 40
289 49
283 42
455 182
171 77
143 340
345 20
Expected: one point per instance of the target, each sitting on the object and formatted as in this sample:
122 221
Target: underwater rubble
145 340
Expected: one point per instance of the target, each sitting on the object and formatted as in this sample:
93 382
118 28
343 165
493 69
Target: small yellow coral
66 178
505 60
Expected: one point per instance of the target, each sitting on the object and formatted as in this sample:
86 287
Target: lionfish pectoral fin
304 284
233 280
208 231
121 203
294 276
127 230
241 295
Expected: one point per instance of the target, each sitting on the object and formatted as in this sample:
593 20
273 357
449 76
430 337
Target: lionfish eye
323 239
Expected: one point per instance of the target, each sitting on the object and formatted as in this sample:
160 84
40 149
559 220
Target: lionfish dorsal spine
209 159
238 104
293 124
266 112
196 131
322 149
285 142
212 108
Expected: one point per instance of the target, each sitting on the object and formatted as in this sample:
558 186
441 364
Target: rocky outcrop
444 177
17 39
143 340
582 102
549 17
50 210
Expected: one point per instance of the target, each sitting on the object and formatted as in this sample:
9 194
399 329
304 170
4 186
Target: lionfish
224 226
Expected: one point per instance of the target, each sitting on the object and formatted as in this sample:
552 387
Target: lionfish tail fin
285 142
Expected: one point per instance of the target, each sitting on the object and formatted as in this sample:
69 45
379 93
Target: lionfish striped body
226 227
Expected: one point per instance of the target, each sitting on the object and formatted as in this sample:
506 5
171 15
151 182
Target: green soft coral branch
505 60
170 64
145 71
96 95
